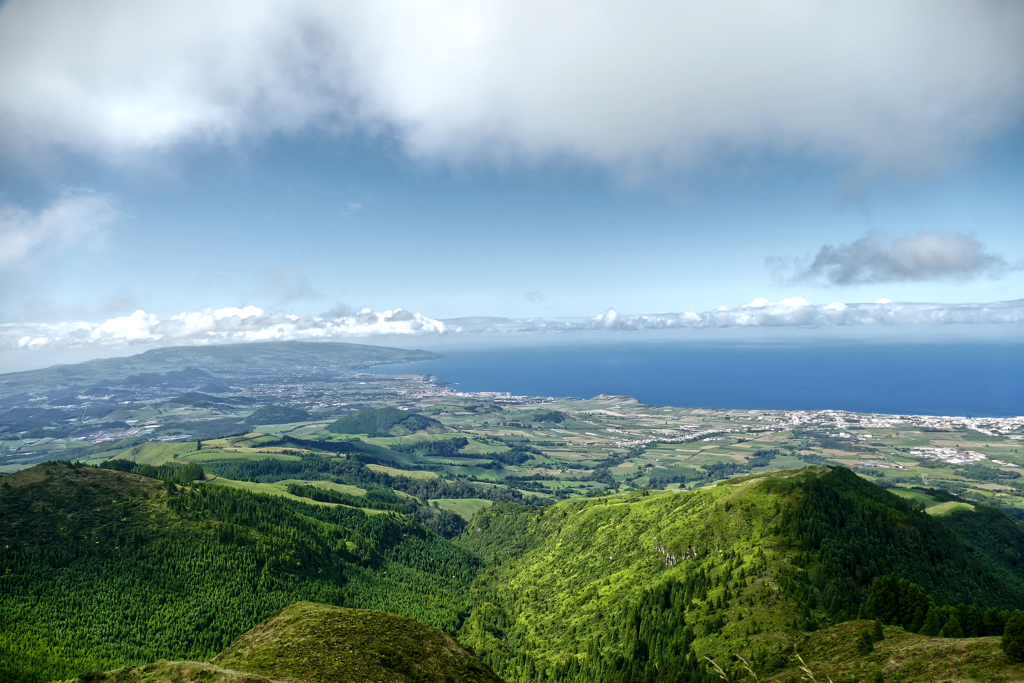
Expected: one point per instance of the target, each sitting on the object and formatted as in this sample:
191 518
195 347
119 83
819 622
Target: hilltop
311 643
652 581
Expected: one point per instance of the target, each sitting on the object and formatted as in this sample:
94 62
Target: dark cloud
877 257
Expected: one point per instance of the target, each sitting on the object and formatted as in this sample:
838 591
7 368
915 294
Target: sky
198 172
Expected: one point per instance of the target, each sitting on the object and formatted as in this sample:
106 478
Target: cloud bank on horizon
214 326
251 324
643 86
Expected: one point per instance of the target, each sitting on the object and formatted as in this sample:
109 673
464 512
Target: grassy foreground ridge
310 643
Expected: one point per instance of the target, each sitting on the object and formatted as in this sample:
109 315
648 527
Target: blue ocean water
979 379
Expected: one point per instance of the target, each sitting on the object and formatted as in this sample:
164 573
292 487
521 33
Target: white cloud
625 84
76 216
250 324
792 312
912 258
210 326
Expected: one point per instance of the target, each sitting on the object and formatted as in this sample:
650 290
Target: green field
463 507
947 508
394 472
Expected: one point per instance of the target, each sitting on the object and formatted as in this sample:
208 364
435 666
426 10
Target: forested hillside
101 568
630 587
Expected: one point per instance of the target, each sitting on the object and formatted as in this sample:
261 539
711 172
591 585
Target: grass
948 508
311 643
463 507
156 453
411 474
902 656
174 672
207 456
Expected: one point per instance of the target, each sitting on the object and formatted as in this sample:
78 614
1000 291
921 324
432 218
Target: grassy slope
559 575
463 507
97 570
902 656
311 643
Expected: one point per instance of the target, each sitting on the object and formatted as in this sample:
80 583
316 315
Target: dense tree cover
447 448
101 568
897 602
852 531
442 522
991 532
380 422
747 566
173 473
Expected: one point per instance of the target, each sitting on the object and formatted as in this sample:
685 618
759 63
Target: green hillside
630 586
101 568
383 421
311 643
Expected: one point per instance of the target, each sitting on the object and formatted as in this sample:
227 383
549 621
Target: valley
160 519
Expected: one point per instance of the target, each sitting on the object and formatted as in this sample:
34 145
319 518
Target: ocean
980 379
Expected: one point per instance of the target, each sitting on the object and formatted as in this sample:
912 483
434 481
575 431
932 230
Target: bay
960 379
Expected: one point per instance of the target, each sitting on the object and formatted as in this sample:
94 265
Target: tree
974 627
952 629
877 634
994 623
1013 637
932 623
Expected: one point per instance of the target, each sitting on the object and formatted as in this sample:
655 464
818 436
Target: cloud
251 324
880 258
791 312
214 326
76 216
872 82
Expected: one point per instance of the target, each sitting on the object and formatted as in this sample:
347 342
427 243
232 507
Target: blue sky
470 160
